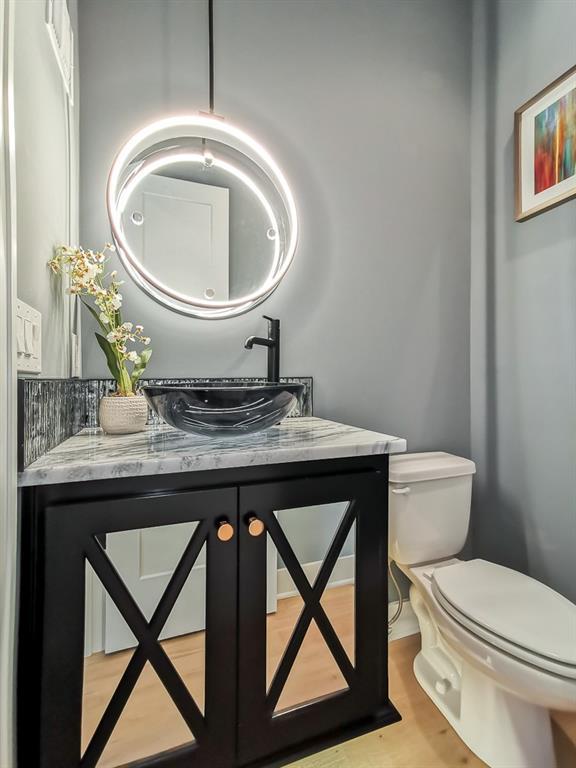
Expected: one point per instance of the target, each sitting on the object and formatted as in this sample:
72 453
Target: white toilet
498 647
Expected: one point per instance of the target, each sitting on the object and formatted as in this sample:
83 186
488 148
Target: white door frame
8 395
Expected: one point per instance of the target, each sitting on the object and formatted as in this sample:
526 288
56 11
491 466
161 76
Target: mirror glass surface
202 216
149 722
301 668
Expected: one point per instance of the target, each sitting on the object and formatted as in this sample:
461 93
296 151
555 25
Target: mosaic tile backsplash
49 412
52 410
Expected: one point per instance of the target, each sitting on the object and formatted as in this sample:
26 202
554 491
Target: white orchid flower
86 269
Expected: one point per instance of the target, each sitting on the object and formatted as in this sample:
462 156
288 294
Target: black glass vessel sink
224 410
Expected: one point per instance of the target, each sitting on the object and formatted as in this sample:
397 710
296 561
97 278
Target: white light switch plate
28 338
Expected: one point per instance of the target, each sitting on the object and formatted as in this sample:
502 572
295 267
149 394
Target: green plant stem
116 360
124 383
123 379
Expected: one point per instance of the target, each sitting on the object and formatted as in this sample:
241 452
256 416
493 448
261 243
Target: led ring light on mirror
169 152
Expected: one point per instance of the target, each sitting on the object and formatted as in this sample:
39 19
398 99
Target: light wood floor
150 722
423 739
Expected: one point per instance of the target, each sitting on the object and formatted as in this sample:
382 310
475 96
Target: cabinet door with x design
317 666
173 699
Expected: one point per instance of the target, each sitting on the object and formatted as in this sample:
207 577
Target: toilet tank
429 506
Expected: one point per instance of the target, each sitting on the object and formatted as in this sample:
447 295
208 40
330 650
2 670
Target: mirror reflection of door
180 229
145 560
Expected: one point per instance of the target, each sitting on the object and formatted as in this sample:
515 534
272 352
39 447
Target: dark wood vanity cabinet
240 723
261 733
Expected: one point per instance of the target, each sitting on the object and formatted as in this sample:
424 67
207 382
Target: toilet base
503 730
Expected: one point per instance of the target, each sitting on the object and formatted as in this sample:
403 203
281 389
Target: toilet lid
512 606
417 467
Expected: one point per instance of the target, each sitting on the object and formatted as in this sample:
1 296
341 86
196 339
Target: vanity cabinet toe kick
63 528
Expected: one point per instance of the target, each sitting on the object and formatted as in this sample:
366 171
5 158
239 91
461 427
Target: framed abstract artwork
545 137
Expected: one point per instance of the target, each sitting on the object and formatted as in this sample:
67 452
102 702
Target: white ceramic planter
123 415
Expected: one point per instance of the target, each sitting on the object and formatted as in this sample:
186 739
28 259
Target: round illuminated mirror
202 216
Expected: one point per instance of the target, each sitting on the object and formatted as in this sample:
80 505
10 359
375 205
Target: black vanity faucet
273 345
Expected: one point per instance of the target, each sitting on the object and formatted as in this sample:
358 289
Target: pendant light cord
211 54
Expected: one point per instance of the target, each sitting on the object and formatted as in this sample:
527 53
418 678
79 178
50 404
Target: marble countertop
92 455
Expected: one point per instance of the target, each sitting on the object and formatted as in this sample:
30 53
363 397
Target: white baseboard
407 623
343 573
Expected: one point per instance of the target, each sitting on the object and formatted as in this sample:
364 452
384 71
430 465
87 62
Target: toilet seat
511 611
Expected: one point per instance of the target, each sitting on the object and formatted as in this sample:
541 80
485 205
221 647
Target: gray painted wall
523 312
45 206
366 107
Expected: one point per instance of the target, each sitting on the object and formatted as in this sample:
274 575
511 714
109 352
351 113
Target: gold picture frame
545 148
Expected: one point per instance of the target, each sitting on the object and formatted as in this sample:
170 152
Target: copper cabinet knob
255 526
225 530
